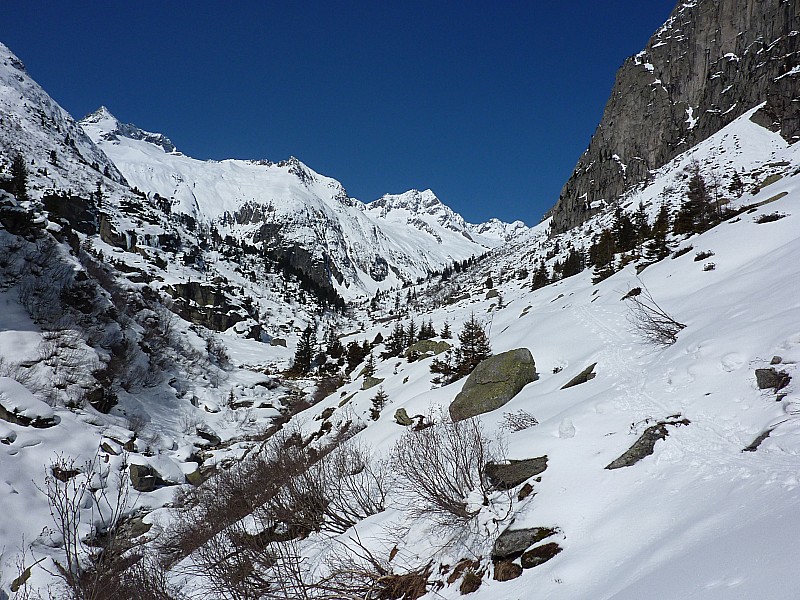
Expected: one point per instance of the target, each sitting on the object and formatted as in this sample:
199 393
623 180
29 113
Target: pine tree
369 367
19 177
540 277
736 186
446 334
333 346
306 348
355 354
624 231
601 255
696 212
396 342
641 225
411 332
474 346
378 402
658 247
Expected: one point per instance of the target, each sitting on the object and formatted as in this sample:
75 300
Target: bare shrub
651 321
518 421
440 466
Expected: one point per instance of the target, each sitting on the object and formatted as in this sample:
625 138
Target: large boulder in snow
18 405
426 349
505 476
513 542
771 379
493 383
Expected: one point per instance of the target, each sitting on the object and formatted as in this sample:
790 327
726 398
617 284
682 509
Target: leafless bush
651 321
518 421
440 466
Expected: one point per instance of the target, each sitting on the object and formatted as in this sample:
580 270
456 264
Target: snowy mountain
59 153
299 214
176 392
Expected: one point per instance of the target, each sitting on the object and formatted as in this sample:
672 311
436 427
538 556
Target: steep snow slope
359 248
36 126
700 518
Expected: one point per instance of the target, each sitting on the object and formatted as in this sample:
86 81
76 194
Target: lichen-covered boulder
539 555
425 349
371 382
493 383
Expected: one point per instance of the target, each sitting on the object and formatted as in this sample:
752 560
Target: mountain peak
102 125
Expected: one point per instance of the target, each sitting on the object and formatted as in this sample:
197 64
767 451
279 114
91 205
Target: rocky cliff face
709 63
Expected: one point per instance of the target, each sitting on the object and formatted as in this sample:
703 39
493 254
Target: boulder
582 377
371 382
645 445
426 348
505 570
19 406
539 555
492 293
493 383
401 417
278 342
772 379
513 542
504 476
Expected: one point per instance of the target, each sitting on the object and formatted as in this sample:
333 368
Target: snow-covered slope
358 248
59 154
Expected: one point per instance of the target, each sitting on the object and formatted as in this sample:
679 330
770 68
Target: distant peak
102 125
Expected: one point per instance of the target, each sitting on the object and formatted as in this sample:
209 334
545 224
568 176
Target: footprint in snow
732 361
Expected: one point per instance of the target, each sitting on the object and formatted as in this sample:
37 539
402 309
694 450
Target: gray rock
776 360
504 476
426 348
371 382
401 417
492 293
539 555
278 342
582 377
645 445
493 383
718 57
145 478
513 542
772 379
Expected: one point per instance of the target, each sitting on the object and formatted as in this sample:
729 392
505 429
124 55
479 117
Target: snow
16 398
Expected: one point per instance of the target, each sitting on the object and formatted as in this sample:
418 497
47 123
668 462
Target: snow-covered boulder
18 405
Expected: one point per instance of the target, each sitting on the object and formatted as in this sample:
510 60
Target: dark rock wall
715 58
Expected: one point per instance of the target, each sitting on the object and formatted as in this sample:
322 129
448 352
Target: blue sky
489 106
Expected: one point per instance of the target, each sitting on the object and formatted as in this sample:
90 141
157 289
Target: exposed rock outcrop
493 383
712 61
504 476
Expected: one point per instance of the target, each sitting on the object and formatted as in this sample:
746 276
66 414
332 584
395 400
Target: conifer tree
19 177
474 346
601 255
446 334
540 277
306 349
624 231
369 367
378 402
658 248
411 332
396 342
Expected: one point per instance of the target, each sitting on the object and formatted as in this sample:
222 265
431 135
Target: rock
426 348
582 377
195 477
504 476
144 478
645 445
371 382
513 542
19 406
205 432
401 417
539 555
772 379
278 342
492 293
697 74
505 570
493 383
776 360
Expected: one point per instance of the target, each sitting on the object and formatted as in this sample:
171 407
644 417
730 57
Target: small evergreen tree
378 402
306 349
540 277
601 255
355 355
411 332
19 177
446 334
736 186
658 247
474 346
396 342
641 225
696 212
369 367
624 231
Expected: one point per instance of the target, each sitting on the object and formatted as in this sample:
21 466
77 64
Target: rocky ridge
712 61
